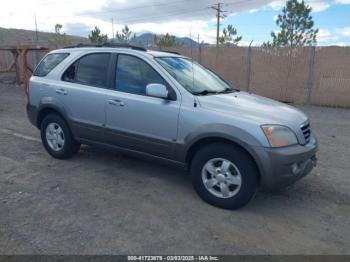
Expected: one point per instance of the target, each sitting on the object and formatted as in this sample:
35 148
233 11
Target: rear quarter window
91 69
49 63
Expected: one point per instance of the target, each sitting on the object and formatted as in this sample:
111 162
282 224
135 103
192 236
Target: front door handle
116 102
61 91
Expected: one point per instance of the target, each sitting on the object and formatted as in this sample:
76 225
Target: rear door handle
61 91
116 102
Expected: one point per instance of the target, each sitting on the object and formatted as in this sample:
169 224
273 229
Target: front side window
134 74
89 70
49 63
194 77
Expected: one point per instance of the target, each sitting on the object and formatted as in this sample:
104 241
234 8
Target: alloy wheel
221 178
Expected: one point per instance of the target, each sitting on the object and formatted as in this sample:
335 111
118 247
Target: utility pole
219 15
112 29
191 43
199 50
36 57
36 30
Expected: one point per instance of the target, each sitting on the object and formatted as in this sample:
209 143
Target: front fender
229 132
219 131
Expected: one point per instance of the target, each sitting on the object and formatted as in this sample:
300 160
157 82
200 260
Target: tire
233 188
58 149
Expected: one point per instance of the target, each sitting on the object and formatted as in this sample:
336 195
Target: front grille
306 132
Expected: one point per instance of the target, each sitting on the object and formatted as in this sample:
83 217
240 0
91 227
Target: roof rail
79 45
170 52
113 45
117 45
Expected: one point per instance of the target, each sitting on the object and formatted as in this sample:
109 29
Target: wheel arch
44 110
205 141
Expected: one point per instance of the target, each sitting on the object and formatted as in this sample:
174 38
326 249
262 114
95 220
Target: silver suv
165 106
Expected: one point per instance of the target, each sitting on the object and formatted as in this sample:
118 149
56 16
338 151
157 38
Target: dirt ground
105 203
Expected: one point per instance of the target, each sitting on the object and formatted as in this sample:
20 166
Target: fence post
199 53
311 74
249 54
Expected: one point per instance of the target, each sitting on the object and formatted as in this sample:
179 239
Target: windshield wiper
226 91
207 92
204 93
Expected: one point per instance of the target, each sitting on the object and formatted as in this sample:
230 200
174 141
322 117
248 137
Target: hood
254 108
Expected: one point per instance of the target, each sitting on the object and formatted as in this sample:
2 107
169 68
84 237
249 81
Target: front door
136 121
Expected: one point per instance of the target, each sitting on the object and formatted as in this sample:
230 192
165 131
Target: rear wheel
224 175
57 137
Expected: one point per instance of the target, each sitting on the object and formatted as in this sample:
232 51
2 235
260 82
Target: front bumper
284 166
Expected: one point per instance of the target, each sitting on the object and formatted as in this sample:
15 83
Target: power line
174 14
136 7
178 12
238 2
219 15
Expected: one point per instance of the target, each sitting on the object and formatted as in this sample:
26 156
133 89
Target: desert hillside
24 37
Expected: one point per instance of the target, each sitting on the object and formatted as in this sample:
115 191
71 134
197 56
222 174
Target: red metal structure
20 63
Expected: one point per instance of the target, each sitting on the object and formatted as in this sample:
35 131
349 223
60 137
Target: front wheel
57 137
224 175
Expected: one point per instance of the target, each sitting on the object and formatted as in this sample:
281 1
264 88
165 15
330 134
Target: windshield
194 77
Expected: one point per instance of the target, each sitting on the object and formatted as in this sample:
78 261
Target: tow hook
314 160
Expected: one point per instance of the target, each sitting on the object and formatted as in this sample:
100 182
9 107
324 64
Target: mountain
147 39
10 36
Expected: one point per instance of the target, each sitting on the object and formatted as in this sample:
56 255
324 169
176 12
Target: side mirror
157 90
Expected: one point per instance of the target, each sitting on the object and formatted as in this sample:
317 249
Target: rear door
137 121
82 89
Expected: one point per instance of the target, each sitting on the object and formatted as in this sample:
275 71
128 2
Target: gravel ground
105 203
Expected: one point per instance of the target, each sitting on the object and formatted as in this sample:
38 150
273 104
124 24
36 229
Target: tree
124 36
96 37
165 41
2 35
58 28
296 26
229 36
58 39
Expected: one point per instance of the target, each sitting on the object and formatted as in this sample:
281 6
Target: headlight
279 136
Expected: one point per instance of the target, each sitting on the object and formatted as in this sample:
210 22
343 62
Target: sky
254 19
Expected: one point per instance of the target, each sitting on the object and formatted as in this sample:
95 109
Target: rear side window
49 63
89 70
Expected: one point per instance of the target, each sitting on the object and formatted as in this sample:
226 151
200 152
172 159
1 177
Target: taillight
27 90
